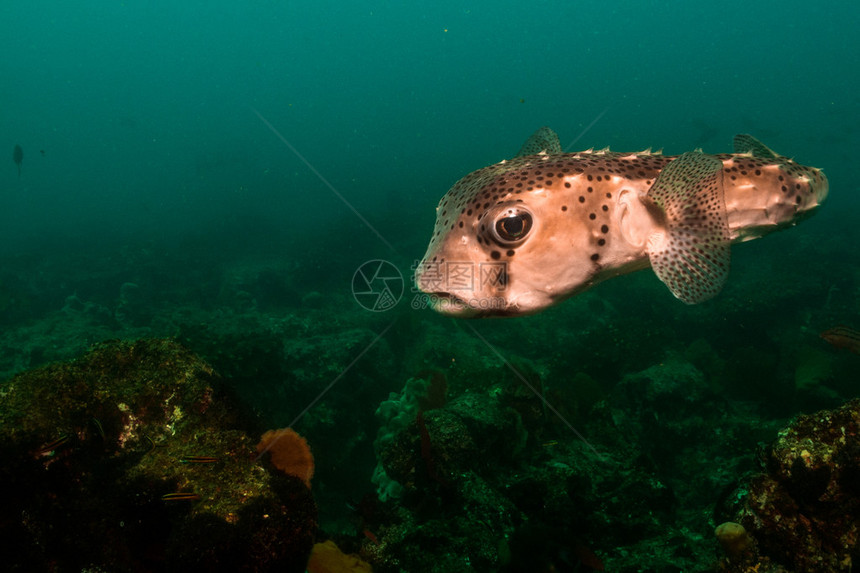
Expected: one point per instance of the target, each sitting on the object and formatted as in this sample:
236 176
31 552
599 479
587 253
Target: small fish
181 496
522 235
371 536
49 448
198 460
843 337
18 157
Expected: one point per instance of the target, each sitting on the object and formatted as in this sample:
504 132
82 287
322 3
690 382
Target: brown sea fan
289 452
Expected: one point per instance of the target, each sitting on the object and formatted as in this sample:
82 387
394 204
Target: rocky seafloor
614 432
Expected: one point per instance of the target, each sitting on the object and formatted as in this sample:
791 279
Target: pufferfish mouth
452 305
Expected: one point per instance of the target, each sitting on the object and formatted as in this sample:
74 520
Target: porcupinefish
519 236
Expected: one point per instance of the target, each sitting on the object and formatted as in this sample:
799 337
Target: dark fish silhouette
18 158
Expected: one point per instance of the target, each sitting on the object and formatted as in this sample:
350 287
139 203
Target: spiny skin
589 217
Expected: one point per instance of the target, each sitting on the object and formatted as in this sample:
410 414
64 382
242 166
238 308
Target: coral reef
493 480
802 508
422 392
673 399
476 489
133 457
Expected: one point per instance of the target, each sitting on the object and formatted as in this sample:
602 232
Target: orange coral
290 453
328 558
734 539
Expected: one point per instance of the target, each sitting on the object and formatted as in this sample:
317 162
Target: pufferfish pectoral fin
692 259
544 139
745 143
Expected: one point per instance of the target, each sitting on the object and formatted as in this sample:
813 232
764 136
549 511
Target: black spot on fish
564 207
595 256
495 255
604 228
511 252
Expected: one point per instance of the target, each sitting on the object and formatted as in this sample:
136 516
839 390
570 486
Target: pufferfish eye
511 225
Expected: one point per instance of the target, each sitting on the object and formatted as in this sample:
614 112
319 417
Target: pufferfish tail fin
544 140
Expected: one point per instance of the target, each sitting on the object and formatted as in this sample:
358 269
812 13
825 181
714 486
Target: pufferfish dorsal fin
543 140
745 143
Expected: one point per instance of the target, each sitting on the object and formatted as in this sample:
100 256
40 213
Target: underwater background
216 173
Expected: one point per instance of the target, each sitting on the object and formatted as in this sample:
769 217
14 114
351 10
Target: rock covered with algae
133 457
801 509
